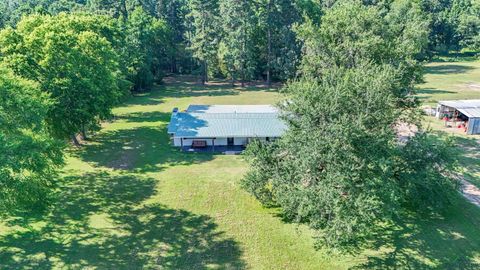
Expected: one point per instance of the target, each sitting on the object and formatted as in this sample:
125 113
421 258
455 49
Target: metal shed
469 109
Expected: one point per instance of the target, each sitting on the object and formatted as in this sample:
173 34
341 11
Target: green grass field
128 200
446 80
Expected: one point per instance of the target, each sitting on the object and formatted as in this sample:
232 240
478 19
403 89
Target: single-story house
467 111
224 125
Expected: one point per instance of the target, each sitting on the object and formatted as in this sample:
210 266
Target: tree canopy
28 155
72 59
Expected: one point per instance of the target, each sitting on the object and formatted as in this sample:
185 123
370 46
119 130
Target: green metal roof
212 125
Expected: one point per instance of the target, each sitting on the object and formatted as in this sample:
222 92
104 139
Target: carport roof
470 108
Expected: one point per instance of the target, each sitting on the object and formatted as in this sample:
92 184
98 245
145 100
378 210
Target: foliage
72 60
28 155
424 171
352 34
238 25
331 168
252 39
278 41
453 24
147 47
340 167
204 42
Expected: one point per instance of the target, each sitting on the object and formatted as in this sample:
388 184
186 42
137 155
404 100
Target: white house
224 125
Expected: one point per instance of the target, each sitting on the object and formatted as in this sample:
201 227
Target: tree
352 34
147 47
28 155
71 59
282 50
340 167
174 13
237 24
204 41
468 28
331 168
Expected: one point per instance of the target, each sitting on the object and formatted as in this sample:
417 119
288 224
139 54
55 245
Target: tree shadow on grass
426 94
189 86
145 117
447 69
469 158
415 241
142 149
100 221
431 91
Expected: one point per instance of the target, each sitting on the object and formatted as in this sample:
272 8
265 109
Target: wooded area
350 68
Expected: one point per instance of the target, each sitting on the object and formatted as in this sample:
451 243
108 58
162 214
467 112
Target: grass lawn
450 79
128 200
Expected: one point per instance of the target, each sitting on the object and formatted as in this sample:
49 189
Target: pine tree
238 24
277 18
174 13
204 42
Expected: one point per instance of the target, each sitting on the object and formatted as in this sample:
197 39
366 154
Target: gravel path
471 192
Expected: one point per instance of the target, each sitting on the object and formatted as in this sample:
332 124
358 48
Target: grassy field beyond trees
446 80
129 200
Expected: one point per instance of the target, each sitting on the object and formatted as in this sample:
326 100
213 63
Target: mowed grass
128 200
451 79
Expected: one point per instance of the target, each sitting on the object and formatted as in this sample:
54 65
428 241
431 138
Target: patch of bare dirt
473 86
470 192
405 131
125 162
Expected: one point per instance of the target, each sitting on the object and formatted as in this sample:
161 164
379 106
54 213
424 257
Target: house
223 126
466 112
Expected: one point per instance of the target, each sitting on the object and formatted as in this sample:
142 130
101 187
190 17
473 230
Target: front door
230 141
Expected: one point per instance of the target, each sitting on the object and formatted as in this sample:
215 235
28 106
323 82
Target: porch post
213 145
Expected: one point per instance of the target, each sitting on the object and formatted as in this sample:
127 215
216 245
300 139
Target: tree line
238 40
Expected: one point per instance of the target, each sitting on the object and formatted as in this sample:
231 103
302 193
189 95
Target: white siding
240 141
176 142
221 141
188 142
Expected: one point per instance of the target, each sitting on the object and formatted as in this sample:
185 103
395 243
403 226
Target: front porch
228 150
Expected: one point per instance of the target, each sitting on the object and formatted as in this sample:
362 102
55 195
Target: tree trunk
173 64
269 45
74 140
84 133
206 71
